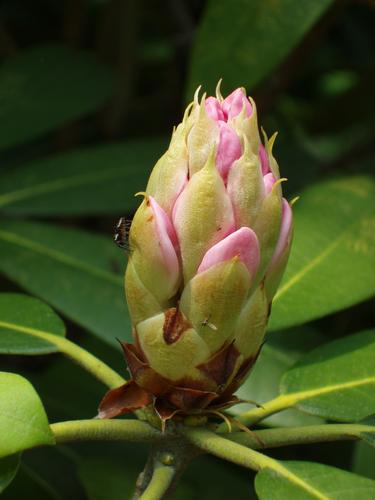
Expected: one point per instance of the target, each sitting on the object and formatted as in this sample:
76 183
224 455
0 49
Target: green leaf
264 34
8 470
106 478
364 460
332 254
47 86
30 485
71 269
19 312
51 469
369 437
336 381
280 352
94 180
306 480
23 421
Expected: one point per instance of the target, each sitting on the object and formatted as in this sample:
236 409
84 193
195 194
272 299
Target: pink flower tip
229 149
269 180
284 235
264 160
213 109
167 238
242 243
233 104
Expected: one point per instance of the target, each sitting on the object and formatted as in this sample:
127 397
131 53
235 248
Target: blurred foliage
89 92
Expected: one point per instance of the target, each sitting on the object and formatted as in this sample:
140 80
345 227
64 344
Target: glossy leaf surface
44 87
336 381
333 253
93 180
23 421
307 480
73 270
21 312
265 32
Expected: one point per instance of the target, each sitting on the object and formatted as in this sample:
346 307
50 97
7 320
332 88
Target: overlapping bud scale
209 244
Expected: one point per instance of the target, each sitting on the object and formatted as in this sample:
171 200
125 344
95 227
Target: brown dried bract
142 373
124 399
187 399
175 324
221 365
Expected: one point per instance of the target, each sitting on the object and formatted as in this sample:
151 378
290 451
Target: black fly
121 236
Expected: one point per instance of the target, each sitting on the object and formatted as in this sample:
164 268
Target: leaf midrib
59 256
293 478
298 276
298 396
48 336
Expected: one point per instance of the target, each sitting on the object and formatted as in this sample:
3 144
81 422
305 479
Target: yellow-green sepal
203 135
251 324
203 216
245 187
213 299
141 302
170 173
157 270
248 126
175 360
267 226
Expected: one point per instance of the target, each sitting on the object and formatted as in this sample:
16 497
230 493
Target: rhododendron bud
208 248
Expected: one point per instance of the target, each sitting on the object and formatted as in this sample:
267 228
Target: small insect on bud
121 235
209 245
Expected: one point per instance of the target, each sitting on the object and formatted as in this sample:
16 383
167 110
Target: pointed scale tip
219 97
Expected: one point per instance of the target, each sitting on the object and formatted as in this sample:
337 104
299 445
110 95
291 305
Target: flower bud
208 247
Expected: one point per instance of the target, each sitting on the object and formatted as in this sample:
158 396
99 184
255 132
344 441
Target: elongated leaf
336 381
105 478
307 480
46 86
30 485
333 254
8 470
18 312
364 460
369 437
72 270
23 422
281 351
53 468
265 32
95 180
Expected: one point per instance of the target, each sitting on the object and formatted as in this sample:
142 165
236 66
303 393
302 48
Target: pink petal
269 180
233 104
243 243
284 236
229 149
167 237
264 160
213 109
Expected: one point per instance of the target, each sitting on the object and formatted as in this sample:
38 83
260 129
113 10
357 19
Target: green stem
285 401
88 361
161 480
105 430
223 448
91 363
286 436
175 454
275 405
245 457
